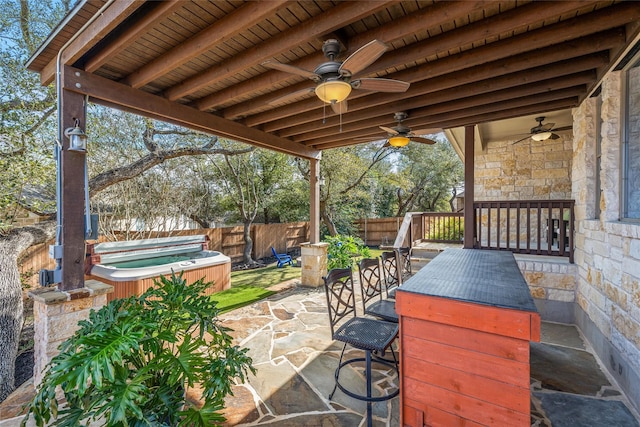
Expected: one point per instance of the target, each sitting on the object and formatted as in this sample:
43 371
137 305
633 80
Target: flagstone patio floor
288 338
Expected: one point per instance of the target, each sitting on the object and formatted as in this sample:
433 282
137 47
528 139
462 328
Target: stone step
424 253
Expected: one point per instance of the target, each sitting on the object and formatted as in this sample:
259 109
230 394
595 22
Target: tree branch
113 176
381 154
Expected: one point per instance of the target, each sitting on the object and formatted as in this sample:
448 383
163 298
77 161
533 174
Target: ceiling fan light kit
398 141
333 91
334 79
541 136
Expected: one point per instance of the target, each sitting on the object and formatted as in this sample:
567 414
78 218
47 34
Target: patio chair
373 336
283 259
404 260
390 271
371 279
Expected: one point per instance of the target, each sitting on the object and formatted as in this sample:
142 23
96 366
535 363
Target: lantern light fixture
77 138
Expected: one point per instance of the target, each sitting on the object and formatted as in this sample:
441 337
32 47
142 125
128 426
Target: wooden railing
539 227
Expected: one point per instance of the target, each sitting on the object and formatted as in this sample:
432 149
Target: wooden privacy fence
378 231
228 240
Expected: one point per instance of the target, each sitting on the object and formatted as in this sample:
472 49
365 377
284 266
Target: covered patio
256 72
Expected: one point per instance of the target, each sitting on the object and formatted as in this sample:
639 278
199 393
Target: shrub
130 363
446 230
344 250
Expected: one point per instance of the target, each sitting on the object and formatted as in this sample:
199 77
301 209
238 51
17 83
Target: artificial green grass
264 277
239 297
249 286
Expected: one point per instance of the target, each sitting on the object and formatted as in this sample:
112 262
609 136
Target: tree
247 182
344 195
426 178
434 172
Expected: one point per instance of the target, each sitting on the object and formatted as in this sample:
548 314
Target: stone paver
295 360
288 337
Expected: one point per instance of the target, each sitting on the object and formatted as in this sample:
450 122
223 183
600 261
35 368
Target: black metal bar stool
391 273
373 336
371 279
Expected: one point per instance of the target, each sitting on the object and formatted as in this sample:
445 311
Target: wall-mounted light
541 136
77 138
398 141
333 91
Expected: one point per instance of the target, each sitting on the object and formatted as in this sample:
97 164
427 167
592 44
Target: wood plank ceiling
200 63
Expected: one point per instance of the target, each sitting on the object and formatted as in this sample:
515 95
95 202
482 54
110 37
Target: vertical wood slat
218 274
489 227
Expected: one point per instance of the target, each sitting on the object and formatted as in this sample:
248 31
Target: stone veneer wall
56 316
607 250
553 287
533 170
529 170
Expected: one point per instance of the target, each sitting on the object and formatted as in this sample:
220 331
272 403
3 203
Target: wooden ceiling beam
131 33
223 29
522 64
144 103
532 108
564 73
434 16
544 37
499 89
473 33
115 14
329 21
435 115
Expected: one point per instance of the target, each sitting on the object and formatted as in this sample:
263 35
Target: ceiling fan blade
520 140
389 130
423 140
362 58
544 128
293 96
275 65
340 107
380 85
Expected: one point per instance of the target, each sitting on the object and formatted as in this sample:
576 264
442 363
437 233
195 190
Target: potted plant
131 362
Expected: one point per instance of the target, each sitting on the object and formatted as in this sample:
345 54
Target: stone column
56 317
314 263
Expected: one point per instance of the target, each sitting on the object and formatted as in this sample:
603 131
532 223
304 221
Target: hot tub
131 266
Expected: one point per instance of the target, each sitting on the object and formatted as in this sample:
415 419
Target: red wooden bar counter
466 320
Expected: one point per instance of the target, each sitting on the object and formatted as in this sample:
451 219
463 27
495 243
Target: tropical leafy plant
131 363
344 250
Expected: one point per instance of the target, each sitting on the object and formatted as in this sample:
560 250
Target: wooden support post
72 166
314 208
469 223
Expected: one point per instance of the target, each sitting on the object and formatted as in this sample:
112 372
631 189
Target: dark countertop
473 275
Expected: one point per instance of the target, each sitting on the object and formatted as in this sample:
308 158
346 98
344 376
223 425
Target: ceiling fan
542 132
335 79
400 135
